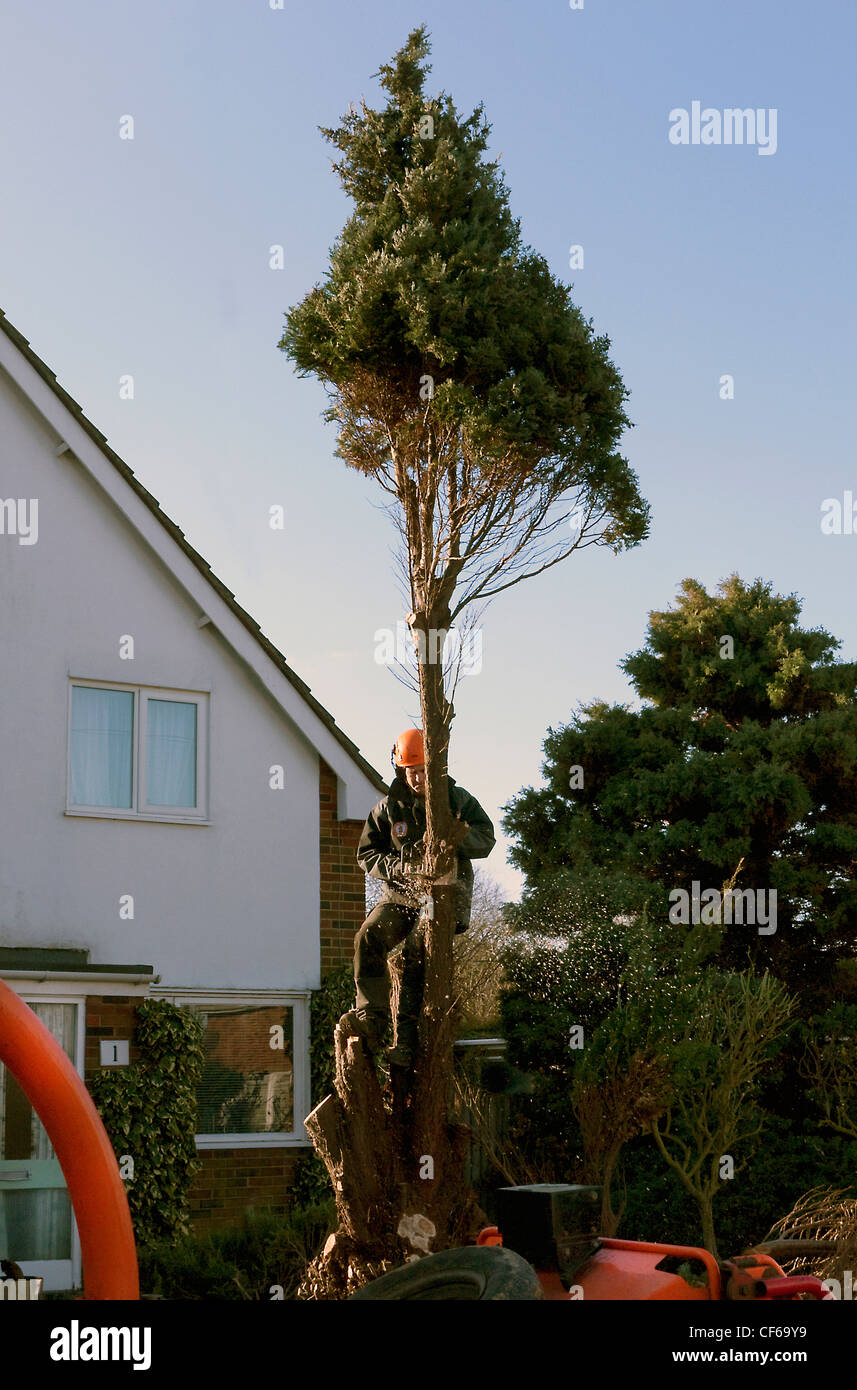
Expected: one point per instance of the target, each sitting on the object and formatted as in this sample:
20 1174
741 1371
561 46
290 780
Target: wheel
474 1271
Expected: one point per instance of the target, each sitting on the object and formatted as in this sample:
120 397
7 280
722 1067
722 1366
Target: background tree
465 382
572 959
745 761
829 1063
732 1025
612 1106
478 966
630 1069
742 762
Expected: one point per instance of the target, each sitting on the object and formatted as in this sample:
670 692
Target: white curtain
102 732
59 1019
170 753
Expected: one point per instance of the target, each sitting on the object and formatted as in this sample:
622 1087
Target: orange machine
65 1108
552 1225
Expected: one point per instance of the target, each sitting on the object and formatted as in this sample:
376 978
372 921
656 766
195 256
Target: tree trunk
446 1199
395 1158
706 1212
609 1218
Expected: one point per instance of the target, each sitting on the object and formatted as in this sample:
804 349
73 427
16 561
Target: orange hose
85 1154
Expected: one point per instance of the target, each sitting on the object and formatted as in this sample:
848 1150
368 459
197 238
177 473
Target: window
137 751
253 1091
247 1086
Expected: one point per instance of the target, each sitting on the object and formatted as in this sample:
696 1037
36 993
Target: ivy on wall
149 1111
327 1006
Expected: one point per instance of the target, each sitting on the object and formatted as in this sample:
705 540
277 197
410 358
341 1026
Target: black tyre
474 1271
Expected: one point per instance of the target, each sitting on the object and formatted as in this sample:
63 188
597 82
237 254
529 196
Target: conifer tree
739 769
465 382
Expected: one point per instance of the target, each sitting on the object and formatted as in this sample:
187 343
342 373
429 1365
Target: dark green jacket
394 832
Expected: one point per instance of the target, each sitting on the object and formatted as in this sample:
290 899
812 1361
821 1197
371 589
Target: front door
37 1227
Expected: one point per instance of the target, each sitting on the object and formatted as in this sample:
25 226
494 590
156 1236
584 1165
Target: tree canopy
741 768
460 374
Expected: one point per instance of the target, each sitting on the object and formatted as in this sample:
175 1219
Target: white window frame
139 809
298 1001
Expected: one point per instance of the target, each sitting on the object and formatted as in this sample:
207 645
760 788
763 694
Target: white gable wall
234 903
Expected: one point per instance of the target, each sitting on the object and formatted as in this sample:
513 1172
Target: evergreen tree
741 769
465 382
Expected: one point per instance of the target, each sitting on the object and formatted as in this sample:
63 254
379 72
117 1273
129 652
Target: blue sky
151 257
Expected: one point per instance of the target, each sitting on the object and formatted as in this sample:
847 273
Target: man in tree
391 848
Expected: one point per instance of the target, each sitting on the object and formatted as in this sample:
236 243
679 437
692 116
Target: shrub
239 1263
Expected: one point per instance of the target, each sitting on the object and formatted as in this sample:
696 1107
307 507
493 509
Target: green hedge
149 1112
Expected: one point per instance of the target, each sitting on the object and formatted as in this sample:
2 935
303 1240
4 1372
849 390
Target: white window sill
90 813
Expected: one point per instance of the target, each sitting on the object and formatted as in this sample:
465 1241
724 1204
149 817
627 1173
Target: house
178 815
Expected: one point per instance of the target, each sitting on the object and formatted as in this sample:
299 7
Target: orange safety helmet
408 749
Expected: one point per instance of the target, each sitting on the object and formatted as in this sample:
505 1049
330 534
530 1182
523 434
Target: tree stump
394 1160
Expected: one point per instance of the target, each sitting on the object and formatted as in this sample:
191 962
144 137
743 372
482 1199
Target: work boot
402 1055
367 1025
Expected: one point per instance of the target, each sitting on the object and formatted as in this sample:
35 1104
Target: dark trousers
387 926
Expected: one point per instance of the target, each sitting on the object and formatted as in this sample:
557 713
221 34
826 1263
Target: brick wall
343 883
108 1016
233 1180
239 1037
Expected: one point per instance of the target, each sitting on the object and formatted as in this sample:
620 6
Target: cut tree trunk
394 1155
396 1198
